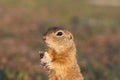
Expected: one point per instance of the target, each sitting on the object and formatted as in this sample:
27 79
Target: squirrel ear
70 37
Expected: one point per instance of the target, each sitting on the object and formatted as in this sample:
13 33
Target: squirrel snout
44 38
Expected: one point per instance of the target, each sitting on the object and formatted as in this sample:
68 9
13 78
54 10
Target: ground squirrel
60 57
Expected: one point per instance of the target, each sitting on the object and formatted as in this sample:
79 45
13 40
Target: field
96 30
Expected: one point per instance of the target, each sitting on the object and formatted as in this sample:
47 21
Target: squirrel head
58 39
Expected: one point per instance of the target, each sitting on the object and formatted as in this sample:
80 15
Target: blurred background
94 23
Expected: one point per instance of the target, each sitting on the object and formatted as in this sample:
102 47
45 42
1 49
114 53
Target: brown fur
63 55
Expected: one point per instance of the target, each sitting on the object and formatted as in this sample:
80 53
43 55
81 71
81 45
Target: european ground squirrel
60 58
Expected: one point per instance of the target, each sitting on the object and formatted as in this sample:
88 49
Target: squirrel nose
44 38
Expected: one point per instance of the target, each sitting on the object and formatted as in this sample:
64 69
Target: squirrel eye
59 34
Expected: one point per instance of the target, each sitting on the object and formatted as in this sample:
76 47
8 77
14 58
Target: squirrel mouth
46 43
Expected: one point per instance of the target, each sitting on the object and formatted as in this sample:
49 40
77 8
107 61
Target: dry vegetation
96 30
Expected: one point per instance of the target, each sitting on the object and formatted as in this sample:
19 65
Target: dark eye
59 34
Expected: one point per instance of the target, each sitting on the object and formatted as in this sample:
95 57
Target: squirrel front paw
45 60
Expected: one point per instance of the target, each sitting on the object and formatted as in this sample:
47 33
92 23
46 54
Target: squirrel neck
65 53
